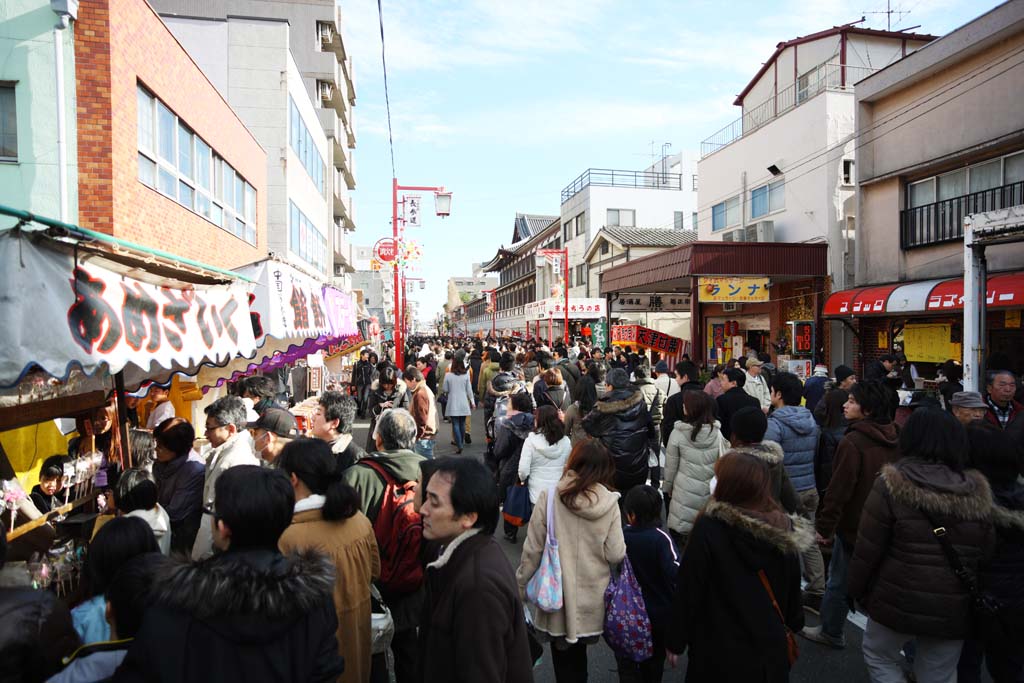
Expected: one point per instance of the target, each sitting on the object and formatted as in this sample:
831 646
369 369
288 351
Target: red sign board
385 249
803 338
648 339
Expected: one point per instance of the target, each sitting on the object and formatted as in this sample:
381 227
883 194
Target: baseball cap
276 420
968 399
754 362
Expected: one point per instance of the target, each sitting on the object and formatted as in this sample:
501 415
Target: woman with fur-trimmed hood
723 614
899 572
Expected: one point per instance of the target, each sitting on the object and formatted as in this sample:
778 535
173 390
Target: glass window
217 214
147 170
8 123
144 101
229 184
581 224
567 231
203 205
293 226
186 195
250 204
952 185
605 247
168 183
612 219
759 201
1013 169
777 195
986 176
693 220
679 220
168 127
732 211
239 195
203 162
922 193
185 151
718 216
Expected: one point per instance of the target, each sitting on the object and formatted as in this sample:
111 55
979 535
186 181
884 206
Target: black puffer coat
510 432
622 423
899 572
35 634
1002 577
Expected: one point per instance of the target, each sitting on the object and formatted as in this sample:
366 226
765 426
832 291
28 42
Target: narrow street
816 663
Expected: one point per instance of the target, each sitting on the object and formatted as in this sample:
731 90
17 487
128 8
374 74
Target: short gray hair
397 429
228 410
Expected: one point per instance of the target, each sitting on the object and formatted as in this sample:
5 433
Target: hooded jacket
722 614
160 523
794 428
502 385
689 468
860 456
590 540
898 571
237 450
621 421
510 433
245 615
484 378
473 628
541 463
653 396
782 488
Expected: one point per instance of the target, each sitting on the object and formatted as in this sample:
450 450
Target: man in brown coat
871 442
423 410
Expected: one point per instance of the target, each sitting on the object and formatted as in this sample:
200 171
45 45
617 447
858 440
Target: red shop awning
1005 290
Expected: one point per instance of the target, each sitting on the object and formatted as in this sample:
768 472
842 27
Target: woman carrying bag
544 453
586 516
460 401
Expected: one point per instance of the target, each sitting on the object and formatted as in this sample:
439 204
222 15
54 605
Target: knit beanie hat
842 372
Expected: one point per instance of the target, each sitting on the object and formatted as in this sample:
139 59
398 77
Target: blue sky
505 103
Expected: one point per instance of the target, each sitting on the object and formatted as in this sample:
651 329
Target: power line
387 99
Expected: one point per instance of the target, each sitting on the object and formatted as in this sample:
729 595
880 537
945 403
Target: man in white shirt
162 409
756 385
663 379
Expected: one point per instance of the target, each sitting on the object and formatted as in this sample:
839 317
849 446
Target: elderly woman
179 481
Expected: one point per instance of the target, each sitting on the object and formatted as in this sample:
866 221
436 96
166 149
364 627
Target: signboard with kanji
554 308
643 303
645 337
732 289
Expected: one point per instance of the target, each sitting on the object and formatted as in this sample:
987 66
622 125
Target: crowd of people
737 499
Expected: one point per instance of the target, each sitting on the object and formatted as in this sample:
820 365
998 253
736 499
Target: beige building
940 135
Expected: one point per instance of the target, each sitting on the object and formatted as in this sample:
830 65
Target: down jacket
782 488
794 428
1002 576
654 398
899 572
541 463
621 421
689 468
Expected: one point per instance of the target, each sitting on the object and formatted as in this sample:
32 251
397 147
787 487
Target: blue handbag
517 508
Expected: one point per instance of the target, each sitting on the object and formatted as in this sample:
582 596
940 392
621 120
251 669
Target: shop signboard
732 289
803 338
554 308
645 337
650 303
599 334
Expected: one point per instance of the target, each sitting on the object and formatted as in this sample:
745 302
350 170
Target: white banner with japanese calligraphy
59 316
579 309
290 304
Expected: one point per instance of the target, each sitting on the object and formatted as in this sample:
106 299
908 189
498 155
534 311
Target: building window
8 123
301 141
581 274
693 182
624 218
693 221
767 198
581 224
304 240
605 248
848 177
679 220
567 231
179 164
979 177
725 214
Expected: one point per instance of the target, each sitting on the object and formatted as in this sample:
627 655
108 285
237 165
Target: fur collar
769 451
975 505
1005 518
620 405
259 583
796 540
442 560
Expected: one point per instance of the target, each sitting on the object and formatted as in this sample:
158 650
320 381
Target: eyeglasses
214 428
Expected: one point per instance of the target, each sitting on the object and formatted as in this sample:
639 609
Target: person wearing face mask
271 433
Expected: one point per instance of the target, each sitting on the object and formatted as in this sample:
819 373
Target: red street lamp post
565 284
442 206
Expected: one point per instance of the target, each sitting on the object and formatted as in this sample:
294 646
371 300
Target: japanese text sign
732 289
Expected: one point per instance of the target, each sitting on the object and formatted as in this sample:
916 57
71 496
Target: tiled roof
529 224
650 237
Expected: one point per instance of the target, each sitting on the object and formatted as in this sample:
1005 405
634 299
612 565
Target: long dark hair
593 465
549 425
744 481
458 366
699 411
313 463
834 400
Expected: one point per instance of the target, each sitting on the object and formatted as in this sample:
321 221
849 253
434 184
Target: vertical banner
599 333
412 210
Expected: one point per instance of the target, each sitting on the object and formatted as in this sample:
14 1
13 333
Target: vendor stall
671 349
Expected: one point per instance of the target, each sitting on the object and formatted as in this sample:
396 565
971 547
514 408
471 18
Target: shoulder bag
545 587
792 648
627 627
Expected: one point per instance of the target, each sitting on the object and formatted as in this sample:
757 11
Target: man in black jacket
733 398
623 424
570 373
248 613
473 627
687 377
362 378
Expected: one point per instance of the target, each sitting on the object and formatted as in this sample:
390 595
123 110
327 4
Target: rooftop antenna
889 11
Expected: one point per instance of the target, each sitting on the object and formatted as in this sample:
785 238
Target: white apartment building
661 196
219 34
784 171
377 285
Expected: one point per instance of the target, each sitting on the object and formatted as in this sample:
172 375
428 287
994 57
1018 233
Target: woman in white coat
544 453
693 449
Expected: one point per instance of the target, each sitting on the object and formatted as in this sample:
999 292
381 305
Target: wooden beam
41 411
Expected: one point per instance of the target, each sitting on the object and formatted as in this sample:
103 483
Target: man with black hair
474 627
362 378
733 398
688 379
793 427
570 373
262 390
748 426
880 368
248 613
332 422
502 385
425 364
423 408
621 422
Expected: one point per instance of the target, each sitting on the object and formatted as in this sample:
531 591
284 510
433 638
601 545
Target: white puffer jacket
542 462
689 468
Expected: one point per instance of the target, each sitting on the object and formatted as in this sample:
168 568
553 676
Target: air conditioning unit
735 236
326 34
763 231
326 90
731 307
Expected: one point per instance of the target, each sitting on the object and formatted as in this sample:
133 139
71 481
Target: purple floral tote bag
627 627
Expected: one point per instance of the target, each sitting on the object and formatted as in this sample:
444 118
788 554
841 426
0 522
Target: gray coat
460 395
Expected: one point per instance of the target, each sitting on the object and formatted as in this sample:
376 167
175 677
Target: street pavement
817 663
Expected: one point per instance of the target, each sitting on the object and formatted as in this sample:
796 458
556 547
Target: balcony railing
604 177
943 221
826 76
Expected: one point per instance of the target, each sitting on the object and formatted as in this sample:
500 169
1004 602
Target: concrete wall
26 43
979 116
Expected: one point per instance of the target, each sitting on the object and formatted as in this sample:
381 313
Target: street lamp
442 207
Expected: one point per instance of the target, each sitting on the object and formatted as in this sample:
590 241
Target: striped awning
1005 290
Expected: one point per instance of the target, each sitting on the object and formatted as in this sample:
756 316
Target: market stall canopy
1005 290
646 338
74 314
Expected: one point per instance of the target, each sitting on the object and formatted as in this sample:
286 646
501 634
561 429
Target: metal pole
974 309
399 348
565 282
62 152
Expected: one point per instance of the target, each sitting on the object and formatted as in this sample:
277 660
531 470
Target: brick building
163 160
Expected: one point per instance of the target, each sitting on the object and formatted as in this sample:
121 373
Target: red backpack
399 532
